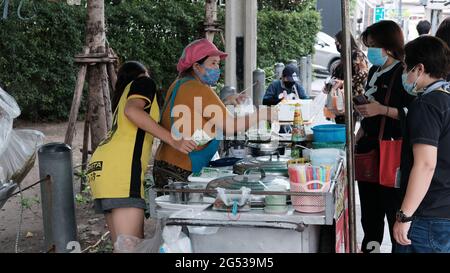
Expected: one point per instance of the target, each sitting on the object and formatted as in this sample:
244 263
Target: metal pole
58 203
349 122
304 73
278 68
259 86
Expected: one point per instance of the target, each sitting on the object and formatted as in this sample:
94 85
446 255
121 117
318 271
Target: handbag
390 156
380 165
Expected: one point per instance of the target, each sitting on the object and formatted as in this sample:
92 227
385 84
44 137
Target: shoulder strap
387 99
443 90
171 98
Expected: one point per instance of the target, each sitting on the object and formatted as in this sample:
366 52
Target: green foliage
287 5
36 58
283 36
27 203
36 55
155 33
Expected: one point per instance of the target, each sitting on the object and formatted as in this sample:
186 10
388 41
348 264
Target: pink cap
196 51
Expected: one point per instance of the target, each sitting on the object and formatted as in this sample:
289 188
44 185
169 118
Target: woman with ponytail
117 167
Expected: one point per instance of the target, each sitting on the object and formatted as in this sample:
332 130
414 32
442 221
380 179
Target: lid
272 165
255 181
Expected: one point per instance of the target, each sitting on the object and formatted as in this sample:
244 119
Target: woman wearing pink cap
193 109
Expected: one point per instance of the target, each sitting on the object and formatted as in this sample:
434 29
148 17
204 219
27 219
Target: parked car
326 55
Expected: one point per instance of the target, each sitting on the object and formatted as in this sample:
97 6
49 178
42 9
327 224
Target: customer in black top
443 32
385 42
425 168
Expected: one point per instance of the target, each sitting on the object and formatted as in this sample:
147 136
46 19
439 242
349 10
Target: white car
326 54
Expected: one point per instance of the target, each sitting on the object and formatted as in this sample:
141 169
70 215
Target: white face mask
410 88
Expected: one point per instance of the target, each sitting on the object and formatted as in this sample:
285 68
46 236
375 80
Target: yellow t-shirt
191 93
118 165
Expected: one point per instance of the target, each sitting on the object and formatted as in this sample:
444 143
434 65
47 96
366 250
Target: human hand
242 98
401 233
371 109
338 84
184 146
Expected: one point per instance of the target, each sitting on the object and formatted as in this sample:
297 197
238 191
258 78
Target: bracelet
387 111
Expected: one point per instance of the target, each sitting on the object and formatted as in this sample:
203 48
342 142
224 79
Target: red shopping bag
390 155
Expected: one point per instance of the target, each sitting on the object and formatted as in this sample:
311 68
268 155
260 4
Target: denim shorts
106 205
427 235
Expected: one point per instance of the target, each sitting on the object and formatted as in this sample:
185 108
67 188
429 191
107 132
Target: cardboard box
287 109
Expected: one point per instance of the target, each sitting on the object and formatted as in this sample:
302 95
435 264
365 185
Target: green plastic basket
323 145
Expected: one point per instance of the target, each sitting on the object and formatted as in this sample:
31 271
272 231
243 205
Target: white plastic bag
175 241
20 153
132 244
8 105
6 189
8 111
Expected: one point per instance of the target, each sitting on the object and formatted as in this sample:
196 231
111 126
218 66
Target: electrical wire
19 228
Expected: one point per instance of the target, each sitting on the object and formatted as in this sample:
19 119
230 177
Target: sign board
379 14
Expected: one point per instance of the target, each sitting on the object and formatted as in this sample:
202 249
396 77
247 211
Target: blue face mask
210 77
410 88
375 56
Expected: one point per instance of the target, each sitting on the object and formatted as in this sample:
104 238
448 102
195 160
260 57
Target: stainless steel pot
262 149
272 165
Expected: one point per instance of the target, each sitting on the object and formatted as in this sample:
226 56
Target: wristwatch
402 218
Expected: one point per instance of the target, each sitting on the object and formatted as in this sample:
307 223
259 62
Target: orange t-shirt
196 107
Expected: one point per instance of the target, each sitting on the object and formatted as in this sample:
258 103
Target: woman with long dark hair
385 51
117 167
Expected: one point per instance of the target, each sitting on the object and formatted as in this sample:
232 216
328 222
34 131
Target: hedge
36 55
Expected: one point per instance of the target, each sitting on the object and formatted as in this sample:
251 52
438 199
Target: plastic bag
175 241
8 105
8 111
6 189
20 154
132 244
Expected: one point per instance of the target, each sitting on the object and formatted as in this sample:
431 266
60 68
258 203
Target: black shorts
106 205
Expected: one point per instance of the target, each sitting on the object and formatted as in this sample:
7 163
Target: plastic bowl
323 145
329 133
327 156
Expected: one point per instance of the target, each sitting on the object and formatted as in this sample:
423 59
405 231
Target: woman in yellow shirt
117 167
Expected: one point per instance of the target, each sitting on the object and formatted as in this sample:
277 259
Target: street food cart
253 228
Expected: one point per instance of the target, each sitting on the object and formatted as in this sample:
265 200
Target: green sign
379 14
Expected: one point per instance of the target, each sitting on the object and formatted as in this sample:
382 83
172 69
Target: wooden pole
112 70
85 150
75 105
98 84
211 19
106 96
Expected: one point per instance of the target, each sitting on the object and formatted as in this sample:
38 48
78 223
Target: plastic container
324 145
328 156
312 203
329 133
276 204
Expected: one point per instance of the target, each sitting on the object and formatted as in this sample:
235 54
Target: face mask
210 77
410 88
375 56
289 84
